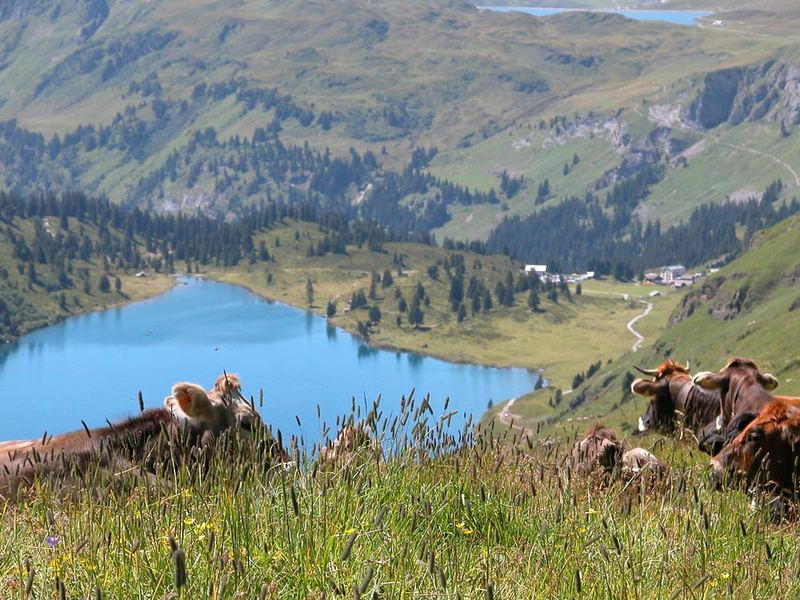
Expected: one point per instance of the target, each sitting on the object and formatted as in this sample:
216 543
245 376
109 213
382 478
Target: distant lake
676 17
91 366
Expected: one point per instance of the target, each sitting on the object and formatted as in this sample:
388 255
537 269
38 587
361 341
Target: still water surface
91 367
676 17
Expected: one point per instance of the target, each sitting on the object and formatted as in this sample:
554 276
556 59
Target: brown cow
600 448
350 439
744 391
675 399
766 451
190 418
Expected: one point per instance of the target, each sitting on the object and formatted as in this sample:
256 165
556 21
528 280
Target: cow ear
792 411
644 388
708 380
769 381
192 399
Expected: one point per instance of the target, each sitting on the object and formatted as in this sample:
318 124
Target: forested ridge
604 235
67 247
236 171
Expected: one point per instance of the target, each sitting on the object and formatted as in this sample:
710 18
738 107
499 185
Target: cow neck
681 395
147 424
697 401
690 396
742 388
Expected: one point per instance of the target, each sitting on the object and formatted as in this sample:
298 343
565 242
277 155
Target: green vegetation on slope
433 520
750 308
130 86
573 330
31 295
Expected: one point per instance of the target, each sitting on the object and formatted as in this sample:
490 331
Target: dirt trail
774 158
632 322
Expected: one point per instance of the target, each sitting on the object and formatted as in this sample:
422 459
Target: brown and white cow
767 451
191 418
744 392
675 400
350 440
600 449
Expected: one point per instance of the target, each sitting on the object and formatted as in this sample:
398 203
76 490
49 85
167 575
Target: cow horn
650 372
687 366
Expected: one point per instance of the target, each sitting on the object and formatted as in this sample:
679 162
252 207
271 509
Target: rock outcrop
770 90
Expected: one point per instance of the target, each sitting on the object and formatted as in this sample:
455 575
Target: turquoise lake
676 17
92 366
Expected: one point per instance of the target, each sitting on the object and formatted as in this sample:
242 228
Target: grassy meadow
749 308
436 519
572 332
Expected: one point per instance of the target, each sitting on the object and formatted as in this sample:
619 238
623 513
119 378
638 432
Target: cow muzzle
717 472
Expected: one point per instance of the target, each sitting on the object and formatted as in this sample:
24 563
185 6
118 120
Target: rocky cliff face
770 90
19 9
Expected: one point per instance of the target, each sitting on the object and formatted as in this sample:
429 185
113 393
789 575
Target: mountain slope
126 85
750 308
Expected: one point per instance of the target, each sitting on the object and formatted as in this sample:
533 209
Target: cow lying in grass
191 419
351 441
600 449
766 451
675 401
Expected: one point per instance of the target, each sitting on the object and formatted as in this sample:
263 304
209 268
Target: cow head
660 412
600 447
766 450
223 408
228 391
737 374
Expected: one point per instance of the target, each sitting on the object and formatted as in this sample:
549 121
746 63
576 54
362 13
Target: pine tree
533 300
374 314
330 311
104 285
415 314
310 292
456 292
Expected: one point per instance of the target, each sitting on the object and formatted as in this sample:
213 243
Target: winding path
774 158
632 322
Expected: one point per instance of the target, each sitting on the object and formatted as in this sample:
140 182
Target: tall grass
442 516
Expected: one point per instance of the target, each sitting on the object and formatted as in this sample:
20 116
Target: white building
672 272
540 270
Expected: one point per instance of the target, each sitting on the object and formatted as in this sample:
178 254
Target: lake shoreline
372 344
93 309
377 345
202 327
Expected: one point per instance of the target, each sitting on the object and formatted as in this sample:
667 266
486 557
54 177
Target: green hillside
749 308
37 291
457 303
157 103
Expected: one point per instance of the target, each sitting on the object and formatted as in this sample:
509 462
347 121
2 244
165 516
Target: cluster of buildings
545 276
673 275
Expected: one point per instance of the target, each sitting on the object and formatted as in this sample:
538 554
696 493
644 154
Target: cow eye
755 434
